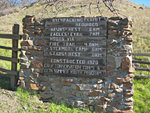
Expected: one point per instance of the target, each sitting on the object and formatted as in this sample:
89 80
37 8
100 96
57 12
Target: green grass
5 82
6 53
142 96
145 66
141 101
31 104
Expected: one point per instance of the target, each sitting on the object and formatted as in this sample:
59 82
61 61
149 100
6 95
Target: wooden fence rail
142 69
141 54
14 59
12 36
142 76
10 48
141 62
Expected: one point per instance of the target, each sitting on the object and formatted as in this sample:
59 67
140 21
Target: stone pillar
31 54
119 66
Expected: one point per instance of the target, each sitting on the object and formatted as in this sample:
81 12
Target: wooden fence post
14 55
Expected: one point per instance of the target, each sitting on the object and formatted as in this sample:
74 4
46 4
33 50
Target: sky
142 2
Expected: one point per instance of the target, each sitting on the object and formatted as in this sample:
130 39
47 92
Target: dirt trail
11 101
8 102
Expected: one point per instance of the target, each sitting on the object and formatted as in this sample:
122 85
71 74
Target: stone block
24 65
110 36
76 87
39 70
111 60
34 53
109 68
131 75
46 96
132 69
39 41
113 86
33 86
129 94
65 84
115 18
113 23
26 31
95 93
37 64
119 90
111 95
113 32
27 43
128 85
123 80
129 100
38 32
29 19
125 64
25 36
100 108
68 80
32 34
121 111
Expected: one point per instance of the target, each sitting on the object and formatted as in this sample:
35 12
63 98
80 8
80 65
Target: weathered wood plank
142 69
9 71
74 38
140 62
86 73
9 59
15 56
10 36
141 54
10 48
142 76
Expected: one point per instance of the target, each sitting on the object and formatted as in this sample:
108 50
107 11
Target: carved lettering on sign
75 46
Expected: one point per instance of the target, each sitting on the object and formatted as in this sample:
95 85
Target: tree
20 2
12 2
58 5
4 4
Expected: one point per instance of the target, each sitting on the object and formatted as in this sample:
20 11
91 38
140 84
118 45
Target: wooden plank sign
75 46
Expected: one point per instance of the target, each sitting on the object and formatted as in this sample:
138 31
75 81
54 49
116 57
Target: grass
31 104
142 96
145 66
4 81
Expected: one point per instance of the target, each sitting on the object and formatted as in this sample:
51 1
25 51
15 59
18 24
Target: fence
141 62
14 59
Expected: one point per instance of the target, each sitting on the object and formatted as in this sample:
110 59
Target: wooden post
14 55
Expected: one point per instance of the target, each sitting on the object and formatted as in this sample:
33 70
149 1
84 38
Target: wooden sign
75 46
